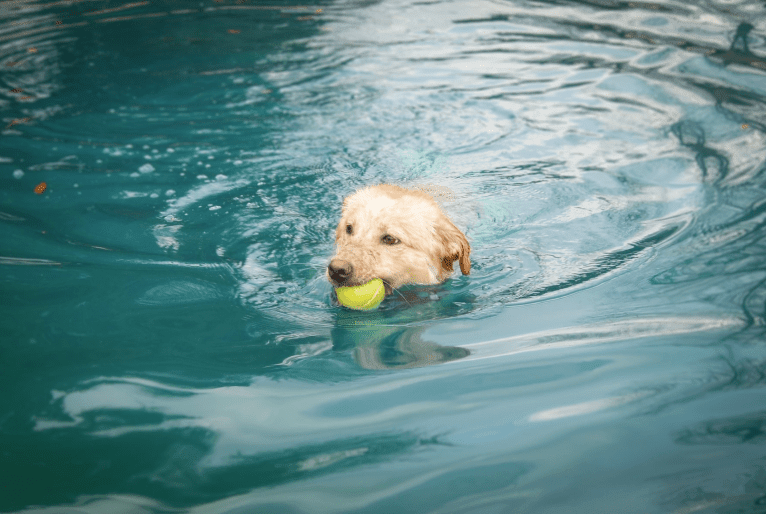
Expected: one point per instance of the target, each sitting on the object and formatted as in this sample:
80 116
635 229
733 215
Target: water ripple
165 292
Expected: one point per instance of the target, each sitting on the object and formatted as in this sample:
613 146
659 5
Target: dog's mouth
388 288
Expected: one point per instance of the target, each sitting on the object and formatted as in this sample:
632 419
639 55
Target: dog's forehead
368 203
374 203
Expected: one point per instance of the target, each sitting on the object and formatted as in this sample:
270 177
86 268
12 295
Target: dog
398 235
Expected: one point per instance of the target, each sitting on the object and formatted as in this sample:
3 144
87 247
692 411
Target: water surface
169 341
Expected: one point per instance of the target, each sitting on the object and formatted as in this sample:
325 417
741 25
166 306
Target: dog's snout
340 270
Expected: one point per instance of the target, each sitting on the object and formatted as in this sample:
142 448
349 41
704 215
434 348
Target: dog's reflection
390 347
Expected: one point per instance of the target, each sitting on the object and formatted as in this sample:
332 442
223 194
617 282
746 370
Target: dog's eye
389 240
349 229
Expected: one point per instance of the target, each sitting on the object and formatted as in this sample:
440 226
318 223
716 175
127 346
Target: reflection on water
170 341
378 347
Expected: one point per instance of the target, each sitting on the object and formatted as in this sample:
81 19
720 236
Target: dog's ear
454 247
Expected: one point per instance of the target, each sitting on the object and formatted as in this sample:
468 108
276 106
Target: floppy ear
454 247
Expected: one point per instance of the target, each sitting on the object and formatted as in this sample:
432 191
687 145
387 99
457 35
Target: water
169 341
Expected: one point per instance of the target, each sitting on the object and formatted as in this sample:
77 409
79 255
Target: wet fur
428 242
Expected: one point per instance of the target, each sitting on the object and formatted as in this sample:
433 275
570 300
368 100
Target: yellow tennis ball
364 297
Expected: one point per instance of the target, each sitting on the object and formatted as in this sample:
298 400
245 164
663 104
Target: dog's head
398 235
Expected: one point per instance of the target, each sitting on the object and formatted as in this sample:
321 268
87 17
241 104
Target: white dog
398 235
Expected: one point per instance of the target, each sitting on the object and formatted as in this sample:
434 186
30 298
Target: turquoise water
169 341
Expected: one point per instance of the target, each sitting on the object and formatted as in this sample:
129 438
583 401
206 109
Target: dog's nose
339 270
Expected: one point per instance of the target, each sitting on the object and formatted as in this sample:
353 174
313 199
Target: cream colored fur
427 243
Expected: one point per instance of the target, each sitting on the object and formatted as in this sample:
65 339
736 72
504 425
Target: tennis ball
364 297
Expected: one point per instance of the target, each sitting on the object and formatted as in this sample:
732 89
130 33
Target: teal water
168 340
